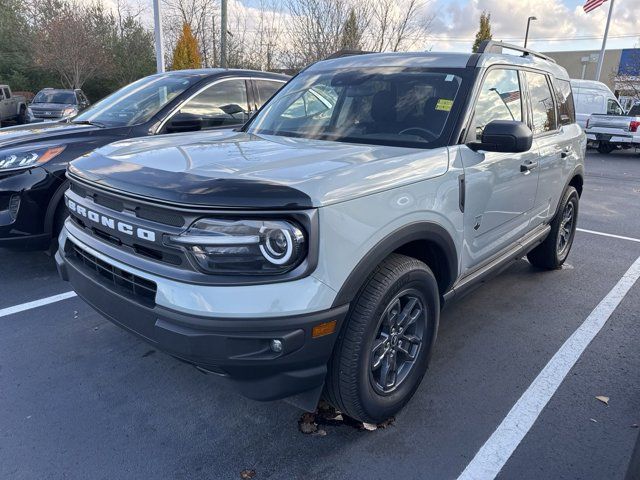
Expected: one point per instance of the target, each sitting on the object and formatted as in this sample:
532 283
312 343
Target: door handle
528 166
565 152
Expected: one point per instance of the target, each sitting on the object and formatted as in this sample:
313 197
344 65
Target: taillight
633 126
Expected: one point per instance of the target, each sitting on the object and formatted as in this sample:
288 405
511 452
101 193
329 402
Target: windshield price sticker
444 105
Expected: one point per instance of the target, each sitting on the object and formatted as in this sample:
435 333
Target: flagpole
604 43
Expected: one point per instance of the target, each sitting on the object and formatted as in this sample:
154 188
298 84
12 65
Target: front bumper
238 348
24 199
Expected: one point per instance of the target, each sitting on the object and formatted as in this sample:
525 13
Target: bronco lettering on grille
111 223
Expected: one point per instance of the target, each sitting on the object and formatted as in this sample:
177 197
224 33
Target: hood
235 169
54 107
40 132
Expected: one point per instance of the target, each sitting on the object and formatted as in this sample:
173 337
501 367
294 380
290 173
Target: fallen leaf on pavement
369 426
603 399
307 423
247 474
593 420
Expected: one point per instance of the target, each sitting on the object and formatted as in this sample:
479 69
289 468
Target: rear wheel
384 348
552 253
605 147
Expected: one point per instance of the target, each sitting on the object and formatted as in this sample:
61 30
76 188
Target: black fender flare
418 231
578 171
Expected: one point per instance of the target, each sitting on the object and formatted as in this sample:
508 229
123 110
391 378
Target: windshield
138 102
55 96
390 106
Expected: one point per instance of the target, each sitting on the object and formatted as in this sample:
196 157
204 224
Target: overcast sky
561 24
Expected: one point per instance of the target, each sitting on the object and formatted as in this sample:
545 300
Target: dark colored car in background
56 104
34 158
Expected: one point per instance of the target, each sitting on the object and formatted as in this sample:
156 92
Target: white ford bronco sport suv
311 251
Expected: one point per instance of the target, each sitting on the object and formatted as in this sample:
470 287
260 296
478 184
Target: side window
266 89
613 108
223 103
499 99
7 93
311 103
564 98
542 107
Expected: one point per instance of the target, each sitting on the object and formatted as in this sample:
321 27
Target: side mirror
504 136
232 109
184 122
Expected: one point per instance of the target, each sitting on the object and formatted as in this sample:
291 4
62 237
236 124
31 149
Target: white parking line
497 450
631 239
36 303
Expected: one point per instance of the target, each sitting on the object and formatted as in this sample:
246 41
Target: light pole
526 35
157 23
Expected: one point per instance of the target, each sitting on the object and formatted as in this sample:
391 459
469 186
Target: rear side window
542 107
266 89
7 94
564 98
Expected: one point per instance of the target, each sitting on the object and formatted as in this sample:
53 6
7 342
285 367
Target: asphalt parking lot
82 399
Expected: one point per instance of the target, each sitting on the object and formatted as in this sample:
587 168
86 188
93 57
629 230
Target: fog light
14 205
276 346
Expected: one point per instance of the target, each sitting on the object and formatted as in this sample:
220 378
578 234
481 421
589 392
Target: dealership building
620 70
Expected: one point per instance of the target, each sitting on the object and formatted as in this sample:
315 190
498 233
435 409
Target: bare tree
398 26
73 42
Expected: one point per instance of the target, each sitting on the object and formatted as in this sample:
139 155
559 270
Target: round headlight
278 246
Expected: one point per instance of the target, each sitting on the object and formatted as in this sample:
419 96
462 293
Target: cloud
558 26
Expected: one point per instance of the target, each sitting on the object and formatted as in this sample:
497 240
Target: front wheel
384 348
552 253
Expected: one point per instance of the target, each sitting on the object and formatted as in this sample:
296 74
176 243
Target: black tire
353 385
58 224
22 116
605 148
552 253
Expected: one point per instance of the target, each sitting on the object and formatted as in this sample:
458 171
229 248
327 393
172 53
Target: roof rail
346 53
489 46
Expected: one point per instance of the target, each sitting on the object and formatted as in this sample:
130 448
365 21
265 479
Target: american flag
592 5
510 96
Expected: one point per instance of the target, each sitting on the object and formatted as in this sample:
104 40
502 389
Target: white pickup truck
12 107
615 131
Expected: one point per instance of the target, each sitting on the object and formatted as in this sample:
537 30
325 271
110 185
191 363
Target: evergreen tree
484 33
351 35
186 54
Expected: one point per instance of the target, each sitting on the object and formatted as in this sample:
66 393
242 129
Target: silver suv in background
53 104
311 250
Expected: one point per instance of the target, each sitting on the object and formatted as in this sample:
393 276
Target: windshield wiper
88 122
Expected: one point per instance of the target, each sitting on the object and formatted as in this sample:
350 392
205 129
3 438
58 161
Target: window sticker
444 104
448 78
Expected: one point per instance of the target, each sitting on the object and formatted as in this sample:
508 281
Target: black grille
118 205
160 216
137 288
